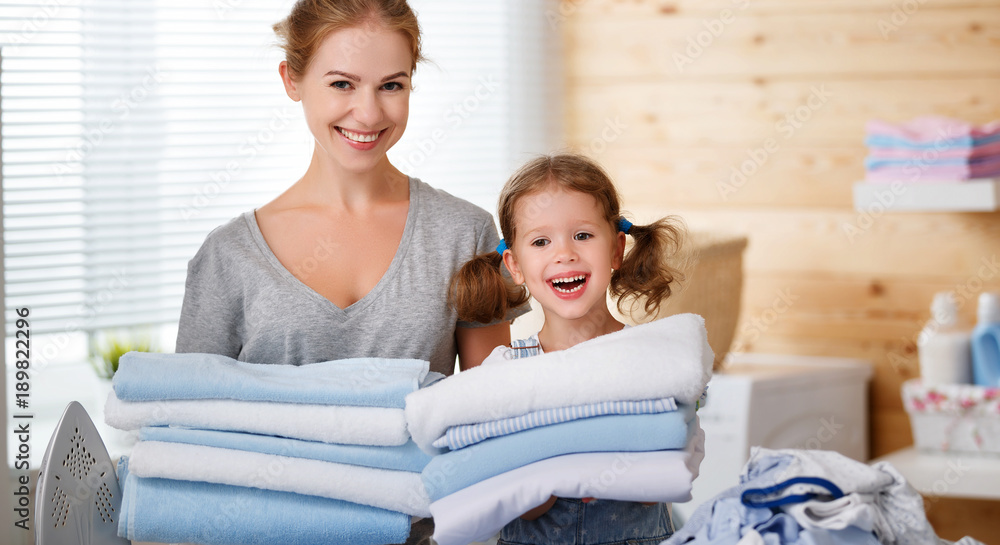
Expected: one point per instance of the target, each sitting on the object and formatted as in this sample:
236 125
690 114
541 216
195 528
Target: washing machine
778 401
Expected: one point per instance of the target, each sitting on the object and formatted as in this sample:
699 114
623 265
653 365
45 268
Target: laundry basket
713 269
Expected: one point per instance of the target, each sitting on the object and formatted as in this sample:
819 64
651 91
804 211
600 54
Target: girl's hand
540 510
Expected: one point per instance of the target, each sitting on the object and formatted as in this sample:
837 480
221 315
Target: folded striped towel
363 382
407 457
400 491
170 511
669 357
374 426
469 434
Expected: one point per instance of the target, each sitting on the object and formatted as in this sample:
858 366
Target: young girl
564 243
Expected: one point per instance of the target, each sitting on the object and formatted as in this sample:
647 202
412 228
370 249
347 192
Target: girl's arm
475 343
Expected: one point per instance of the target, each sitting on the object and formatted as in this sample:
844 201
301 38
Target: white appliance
778 401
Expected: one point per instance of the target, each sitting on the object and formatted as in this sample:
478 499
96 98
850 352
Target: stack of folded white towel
234 452
611 418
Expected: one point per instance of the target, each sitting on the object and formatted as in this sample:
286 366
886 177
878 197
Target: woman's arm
475 343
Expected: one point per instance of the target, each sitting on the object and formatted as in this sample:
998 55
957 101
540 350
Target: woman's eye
393 86
341 85
582 236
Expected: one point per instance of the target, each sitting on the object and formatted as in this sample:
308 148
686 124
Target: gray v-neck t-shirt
241 302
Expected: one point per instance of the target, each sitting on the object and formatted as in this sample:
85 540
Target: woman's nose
367 109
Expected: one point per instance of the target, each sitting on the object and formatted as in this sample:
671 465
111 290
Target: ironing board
78 499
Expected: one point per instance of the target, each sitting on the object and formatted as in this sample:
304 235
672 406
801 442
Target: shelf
969 196
948 474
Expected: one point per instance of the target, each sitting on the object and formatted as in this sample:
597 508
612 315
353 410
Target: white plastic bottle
944 347
986 342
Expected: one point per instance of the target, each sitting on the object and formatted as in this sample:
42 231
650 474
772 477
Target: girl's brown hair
482 294
311 21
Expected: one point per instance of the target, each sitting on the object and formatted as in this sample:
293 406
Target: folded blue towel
164 510
961 142
364 382
460 468
407 457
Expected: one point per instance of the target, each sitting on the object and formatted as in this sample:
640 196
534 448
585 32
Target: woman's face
356 95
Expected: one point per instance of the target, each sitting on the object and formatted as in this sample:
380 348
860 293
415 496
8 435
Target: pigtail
646 270
481 293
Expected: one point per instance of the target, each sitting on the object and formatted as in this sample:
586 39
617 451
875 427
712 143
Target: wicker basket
713 268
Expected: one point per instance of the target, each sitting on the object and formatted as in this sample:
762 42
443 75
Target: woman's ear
511 263
619 251
291 86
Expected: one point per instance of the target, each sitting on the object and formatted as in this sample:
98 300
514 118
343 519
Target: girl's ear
511 263
291 86
619 251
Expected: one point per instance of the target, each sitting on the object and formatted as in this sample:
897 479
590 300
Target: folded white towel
479 511
374 426
400 491
665 358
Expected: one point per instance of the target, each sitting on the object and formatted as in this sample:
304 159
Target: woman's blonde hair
482 294
311 21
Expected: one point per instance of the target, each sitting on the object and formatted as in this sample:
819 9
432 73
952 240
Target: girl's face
564 252
355 94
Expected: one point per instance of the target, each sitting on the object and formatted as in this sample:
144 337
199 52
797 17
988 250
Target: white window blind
131 128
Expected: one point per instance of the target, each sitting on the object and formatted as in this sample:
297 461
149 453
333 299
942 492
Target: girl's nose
367 109
565 253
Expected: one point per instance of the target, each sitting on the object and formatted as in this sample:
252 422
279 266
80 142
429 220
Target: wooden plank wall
676 96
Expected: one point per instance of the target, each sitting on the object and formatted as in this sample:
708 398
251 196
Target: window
132 128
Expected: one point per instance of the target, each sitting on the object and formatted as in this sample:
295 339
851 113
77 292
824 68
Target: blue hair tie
624 225
502 247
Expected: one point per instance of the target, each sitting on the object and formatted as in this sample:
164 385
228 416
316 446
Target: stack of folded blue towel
232 452
931 149
611 418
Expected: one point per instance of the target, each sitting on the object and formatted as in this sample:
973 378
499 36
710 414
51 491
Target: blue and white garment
457 437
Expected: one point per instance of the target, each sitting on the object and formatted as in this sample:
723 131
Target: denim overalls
600 522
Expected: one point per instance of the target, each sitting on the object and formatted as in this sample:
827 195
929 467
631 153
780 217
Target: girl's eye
393 86
539 242
582 236
341 85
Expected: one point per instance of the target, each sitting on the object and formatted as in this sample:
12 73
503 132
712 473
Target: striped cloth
457 437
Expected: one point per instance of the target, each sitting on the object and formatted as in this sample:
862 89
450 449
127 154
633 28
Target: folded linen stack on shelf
931 149
258 453
611 418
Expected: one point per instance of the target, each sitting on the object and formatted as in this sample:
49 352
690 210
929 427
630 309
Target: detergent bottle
986 342
944 347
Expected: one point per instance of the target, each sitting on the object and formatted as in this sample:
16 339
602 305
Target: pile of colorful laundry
812 497
232 452
931 149
611 418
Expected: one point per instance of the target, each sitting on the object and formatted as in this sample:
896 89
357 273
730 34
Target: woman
354 259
